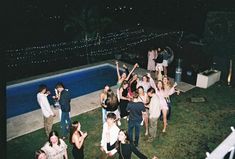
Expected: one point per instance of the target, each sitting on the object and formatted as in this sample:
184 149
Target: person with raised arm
125 75
169 90
77 138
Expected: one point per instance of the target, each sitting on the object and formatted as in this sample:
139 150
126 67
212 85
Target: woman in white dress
151 62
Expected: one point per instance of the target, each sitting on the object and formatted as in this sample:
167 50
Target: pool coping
32 121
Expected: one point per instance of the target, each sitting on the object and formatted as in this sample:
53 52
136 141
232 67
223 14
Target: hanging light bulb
230 72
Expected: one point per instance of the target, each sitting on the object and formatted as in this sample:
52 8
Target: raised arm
79 140
128 76
152 83
117 67
102 100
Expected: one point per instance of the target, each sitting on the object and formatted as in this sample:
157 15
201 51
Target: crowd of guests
142 101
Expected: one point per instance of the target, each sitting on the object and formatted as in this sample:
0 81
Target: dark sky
42 21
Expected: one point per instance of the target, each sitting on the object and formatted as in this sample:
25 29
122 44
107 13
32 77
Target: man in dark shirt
64 101
135 109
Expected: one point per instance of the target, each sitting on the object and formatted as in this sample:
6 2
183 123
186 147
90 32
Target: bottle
178 71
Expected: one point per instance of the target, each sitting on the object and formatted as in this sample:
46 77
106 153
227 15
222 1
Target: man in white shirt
154 113
43 102
109 136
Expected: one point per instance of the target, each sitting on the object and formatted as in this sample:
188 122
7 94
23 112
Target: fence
225 150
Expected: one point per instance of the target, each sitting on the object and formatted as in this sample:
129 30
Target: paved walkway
32 121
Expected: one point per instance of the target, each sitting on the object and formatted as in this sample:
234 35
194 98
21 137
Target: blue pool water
21 97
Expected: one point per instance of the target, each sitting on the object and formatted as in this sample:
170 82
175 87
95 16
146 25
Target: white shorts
159 67
165 63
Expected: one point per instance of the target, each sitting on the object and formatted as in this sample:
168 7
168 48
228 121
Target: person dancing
169 91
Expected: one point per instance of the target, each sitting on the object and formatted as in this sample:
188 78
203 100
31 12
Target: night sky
33 22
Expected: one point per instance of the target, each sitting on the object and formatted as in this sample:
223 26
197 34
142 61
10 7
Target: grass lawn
194 129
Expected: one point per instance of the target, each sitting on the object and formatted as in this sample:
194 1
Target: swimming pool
21 97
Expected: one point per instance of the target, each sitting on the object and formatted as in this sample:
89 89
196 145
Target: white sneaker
119 123
142 123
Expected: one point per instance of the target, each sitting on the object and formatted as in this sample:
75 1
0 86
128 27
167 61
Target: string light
98 46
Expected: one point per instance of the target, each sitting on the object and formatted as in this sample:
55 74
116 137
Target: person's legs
151 128
46 125
165 65
65 123
103 115
103 155
164 112
131 125
169 110
50 124
137 133
146 122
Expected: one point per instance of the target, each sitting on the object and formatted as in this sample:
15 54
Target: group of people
157 62
142 102
55 147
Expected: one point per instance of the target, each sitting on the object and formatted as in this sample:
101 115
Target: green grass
194 129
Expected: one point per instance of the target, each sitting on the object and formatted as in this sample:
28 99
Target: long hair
169 83
51 134
127 140
162 85
72 130
123 83
112 99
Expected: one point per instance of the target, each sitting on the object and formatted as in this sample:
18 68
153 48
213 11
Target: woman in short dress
151 62
170 89
77 138
124 99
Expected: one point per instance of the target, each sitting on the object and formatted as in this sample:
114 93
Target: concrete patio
32 121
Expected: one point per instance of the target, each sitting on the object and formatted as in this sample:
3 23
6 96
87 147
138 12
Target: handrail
227 146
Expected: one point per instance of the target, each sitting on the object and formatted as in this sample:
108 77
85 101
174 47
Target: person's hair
146 77
162 85
42 87
136 94
127 141
112 99
111 116
169 83
38 153
51 134
73 128
151 90
123 83
140 87
59 85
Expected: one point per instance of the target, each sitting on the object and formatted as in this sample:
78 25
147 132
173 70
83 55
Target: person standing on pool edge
64 101
43 102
